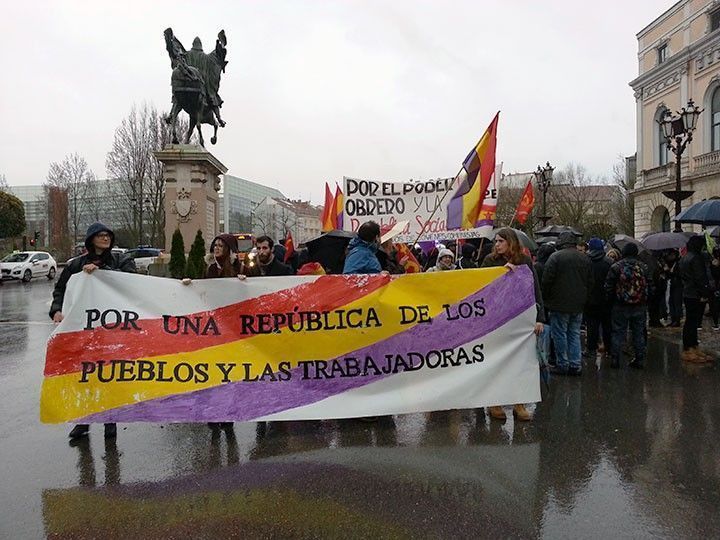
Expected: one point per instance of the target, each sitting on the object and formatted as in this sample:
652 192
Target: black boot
110 431
80 430
215 426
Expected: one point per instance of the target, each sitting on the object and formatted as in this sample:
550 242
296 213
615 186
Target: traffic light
35 239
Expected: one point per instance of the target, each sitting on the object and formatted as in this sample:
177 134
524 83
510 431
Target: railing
709 162
665 173
658 175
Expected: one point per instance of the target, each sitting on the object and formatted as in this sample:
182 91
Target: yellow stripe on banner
65 398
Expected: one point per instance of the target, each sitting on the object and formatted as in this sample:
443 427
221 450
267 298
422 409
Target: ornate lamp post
678 132
543 179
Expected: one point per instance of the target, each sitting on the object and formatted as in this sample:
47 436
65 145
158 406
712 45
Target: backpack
632 285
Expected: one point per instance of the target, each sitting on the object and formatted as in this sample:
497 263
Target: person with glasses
99 241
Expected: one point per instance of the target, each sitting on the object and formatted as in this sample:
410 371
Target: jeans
565 331
694 309
635 317
598 318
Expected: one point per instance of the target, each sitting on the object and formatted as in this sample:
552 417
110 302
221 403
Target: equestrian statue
195 84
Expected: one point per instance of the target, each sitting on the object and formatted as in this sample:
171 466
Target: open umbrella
666 240
702 213
546 240
329 249
619 241
524 239
556 230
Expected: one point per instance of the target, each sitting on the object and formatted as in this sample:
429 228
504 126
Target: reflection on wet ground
615 453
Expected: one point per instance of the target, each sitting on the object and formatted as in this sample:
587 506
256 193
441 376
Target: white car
144 256
26 265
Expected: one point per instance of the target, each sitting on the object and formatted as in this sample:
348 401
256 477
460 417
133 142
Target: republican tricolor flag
472 181
338 208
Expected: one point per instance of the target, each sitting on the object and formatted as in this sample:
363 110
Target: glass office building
238 199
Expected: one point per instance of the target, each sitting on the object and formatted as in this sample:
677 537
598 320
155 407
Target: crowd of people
610 292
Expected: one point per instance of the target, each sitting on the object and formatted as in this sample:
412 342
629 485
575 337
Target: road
614 453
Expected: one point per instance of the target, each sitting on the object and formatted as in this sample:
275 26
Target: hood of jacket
596 255
357 241
566 239
94 229
544 252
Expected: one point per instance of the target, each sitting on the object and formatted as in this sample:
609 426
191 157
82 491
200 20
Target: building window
715 20
662 143
662 53
715 120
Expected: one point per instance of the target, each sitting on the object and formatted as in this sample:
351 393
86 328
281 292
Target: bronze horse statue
195 84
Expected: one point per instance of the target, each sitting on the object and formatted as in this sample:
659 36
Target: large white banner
141 348
422 204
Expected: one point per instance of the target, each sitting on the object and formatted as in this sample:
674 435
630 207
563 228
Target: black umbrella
702 213
546 240
556 230
666 240
328 249
525 240
619 241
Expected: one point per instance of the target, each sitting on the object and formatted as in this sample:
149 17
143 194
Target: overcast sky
317 90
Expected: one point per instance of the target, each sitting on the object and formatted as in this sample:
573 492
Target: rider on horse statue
195 84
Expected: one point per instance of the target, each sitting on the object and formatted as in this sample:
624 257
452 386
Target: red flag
328 215
289 246
525 206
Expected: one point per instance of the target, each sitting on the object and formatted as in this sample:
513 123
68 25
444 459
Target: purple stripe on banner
505 298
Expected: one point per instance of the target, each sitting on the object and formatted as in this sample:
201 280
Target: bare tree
73 176
623 204
577 199
139 186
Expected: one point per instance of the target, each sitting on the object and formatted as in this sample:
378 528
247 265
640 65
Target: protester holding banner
508 252
222 260
269 264
445 261
99 241
362 250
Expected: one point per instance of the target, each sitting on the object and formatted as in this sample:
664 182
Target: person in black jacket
714 298
468 253
268 263
99 241
567 279
696 289
597 309
628 286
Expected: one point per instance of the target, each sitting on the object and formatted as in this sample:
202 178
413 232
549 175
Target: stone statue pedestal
192 182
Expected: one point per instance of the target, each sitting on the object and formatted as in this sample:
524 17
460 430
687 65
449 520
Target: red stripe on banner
67 350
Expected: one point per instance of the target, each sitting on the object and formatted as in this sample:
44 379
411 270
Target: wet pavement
614 453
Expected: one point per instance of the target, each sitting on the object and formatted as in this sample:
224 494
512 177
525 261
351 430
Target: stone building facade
679 59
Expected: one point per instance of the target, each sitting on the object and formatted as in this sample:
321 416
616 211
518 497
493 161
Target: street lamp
543 179
678 133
